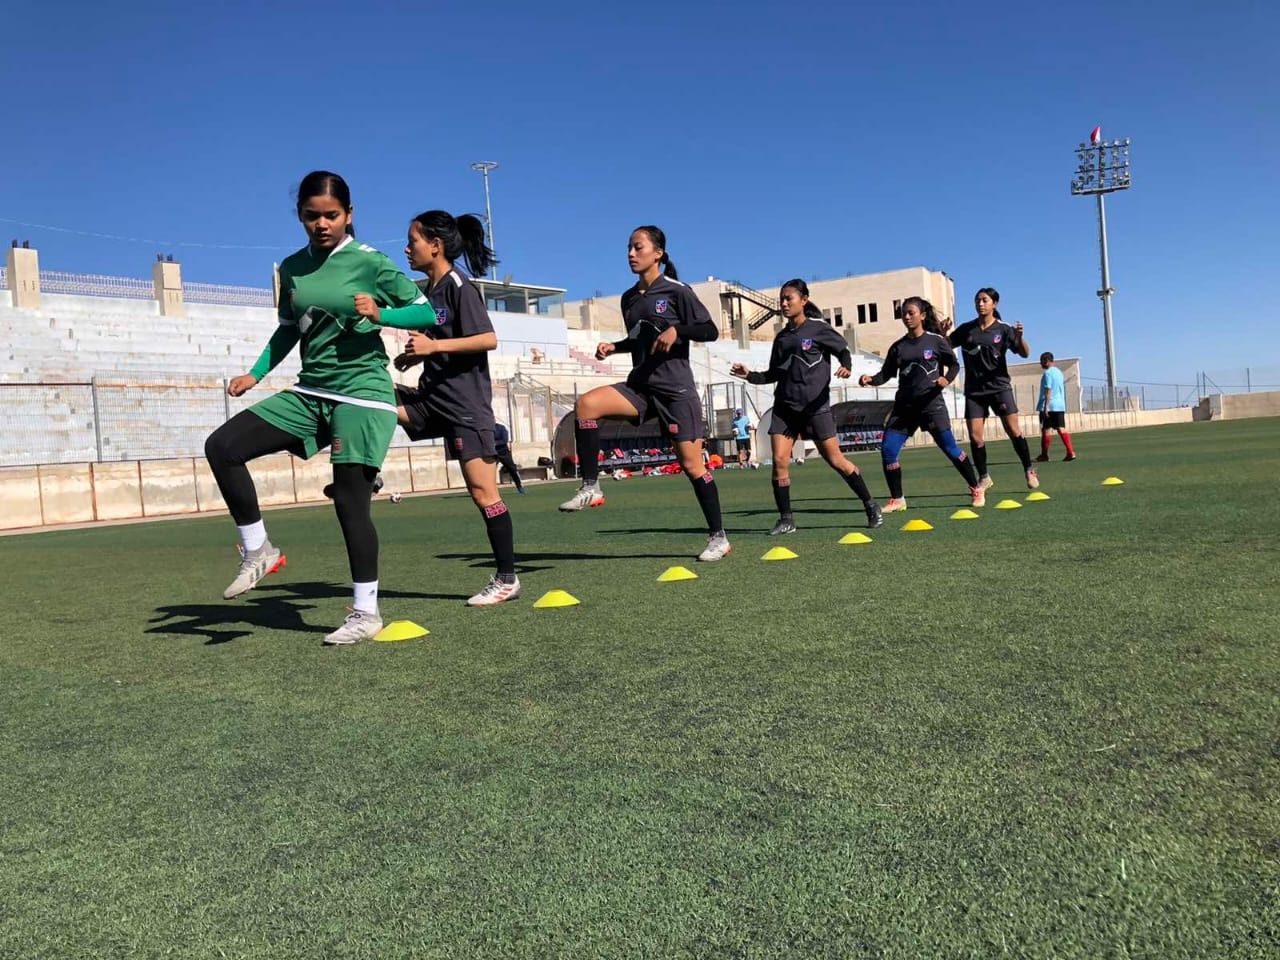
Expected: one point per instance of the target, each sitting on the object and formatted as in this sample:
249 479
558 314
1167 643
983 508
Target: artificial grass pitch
1049 733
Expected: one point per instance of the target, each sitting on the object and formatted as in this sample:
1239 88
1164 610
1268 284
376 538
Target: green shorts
356 434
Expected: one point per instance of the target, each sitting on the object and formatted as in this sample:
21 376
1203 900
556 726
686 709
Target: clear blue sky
768 140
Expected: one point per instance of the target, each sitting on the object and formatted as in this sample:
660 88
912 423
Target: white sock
366 597
253 535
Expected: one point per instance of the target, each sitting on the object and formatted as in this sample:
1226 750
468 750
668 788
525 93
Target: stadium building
866 309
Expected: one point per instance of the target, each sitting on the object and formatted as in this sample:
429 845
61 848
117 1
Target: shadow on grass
271 607
527 562
855 510
880 498
321 590
957 503
685 531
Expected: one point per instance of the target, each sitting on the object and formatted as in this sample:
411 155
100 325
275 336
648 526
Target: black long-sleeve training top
986 368
918 362
800 364
667 303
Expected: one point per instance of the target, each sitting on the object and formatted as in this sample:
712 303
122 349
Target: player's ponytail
811 309
995 298
931 322
669 268
477 253
461 237
659 240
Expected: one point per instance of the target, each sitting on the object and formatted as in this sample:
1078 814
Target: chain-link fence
167 416
103 420
48 423
1146 395
1240 380
1095 398
530 409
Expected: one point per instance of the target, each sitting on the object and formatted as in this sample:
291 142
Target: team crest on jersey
673 428
336 446
928 354
660 306
457 444
806 344
442 316
997 338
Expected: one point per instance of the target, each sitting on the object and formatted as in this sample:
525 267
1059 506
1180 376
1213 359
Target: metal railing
113 419
758 297
1239 380
1147 395
766 306
95 285
1137 396
134 288
227 294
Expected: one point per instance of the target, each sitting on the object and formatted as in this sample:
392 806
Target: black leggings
245 437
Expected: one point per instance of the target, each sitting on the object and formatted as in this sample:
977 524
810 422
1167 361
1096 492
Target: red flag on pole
1096 135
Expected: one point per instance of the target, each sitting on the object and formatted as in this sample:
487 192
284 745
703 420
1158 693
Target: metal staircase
765 307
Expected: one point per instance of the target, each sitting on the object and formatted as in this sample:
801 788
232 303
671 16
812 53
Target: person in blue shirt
742 436
1052 406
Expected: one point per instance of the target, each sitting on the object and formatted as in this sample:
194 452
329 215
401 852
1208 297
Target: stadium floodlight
484 166
1102 168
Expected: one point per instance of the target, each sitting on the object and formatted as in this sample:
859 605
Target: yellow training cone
855 537
672 574
965 514
917 524
556 598
1036 497
1112 482
398 630
780 553
1008 505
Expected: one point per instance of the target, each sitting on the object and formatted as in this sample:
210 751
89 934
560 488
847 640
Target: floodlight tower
484 166
1103 168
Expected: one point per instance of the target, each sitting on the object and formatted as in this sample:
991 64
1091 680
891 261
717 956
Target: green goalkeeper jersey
342 353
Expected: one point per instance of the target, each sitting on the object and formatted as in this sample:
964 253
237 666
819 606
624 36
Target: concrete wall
1239 406
1076 423
602 315
67 493
22 275
70 493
